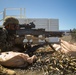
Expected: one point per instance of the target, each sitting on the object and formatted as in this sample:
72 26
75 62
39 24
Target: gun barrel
37 32
53 34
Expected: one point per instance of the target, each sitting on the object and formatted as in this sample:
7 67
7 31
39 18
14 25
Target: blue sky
64 10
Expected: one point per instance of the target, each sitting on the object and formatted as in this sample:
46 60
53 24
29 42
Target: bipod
50 45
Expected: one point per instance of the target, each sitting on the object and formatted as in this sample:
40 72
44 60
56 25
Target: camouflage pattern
6 37
2 38
10 20
5 43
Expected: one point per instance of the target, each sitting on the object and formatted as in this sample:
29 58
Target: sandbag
15 59
66 47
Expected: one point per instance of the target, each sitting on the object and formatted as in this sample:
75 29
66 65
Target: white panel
22 21
54 24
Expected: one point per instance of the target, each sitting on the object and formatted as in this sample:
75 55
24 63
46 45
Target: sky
64 10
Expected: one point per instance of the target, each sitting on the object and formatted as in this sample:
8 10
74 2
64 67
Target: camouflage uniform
5 43
7 38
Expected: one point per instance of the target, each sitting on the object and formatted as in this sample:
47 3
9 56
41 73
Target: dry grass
68 38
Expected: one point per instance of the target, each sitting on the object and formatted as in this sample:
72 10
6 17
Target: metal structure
21 12
1 18
14 12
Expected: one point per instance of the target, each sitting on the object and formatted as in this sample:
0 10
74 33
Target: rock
10 72
5 71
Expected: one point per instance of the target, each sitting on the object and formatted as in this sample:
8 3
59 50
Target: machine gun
31 35
29 29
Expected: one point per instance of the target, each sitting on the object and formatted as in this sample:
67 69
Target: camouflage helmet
10 20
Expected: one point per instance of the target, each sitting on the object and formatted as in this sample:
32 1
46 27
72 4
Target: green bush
73 34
